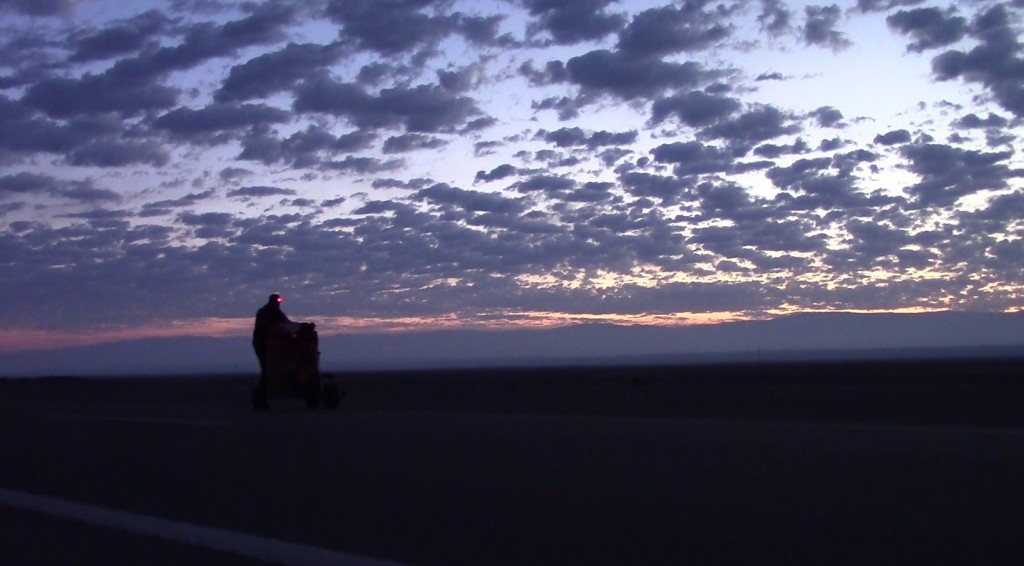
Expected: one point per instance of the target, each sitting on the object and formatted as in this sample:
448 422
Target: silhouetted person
269 317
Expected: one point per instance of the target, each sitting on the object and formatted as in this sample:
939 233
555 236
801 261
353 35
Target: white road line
250 546
143 420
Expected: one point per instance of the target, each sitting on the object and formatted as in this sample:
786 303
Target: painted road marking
242 544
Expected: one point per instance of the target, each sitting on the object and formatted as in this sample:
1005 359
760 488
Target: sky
394 165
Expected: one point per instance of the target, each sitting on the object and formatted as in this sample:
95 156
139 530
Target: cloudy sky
396 164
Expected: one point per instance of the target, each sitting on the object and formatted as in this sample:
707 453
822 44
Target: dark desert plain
858 462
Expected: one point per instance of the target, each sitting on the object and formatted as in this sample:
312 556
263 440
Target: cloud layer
503 162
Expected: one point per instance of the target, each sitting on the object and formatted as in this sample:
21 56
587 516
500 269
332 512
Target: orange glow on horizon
34 339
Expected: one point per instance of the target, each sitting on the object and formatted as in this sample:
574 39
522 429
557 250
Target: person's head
275 300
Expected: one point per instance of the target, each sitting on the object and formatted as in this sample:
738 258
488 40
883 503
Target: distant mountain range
792 337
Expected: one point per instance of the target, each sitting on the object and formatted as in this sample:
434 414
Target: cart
293 369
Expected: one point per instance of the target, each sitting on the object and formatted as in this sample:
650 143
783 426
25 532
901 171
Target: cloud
571 137
500 172
667 30
668 190
259 191
694 158
205 123
819 27
550 184
775 76
775 17
573 21
995 63
305 148
894 137
884 5
127 36
930 27
411 142
948 173
613 72
754 126
98 94
973 121
828 117
396 26
31 183
473 201
27 183
114 153
694 108
276 71
423 109
38 7
167 206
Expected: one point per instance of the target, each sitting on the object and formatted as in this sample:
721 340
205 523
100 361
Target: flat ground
807 463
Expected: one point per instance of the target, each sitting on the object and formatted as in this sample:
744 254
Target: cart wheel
259 399
312 398
331 396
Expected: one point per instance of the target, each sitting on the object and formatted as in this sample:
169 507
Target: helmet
275 298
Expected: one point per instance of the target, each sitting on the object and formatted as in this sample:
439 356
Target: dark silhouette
269 317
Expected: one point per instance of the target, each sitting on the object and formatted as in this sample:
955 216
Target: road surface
85 471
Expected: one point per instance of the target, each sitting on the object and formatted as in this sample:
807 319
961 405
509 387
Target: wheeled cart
292 367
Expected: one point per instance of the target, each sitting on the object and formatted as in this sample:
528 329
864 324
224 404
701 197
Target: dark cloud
828 117
500 172
817 187
694 108
168 206
819 27
551 184
114 153
128 36
770 77
364 165
573 21
995 63
276 71
884 5
86 192
773 151
667 30
209 225
130 86
425 108
570 137
36 184
694 158
775 17
259 191
304 148
973 121
205 124
668 189
27 183
752 127
894 137
38 7
411 142
948 173
613 72
473 201
98 94
205 41
930 27
396 26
